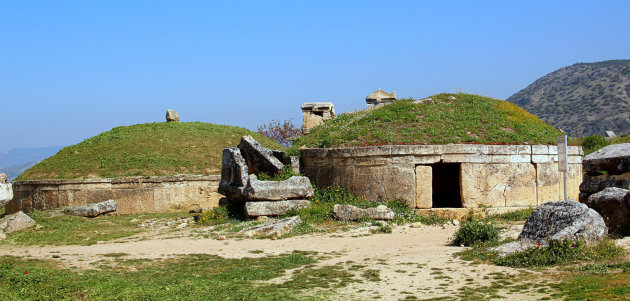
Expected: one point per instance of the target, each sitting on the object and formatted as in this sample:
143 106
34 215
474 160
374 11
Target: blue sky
72 69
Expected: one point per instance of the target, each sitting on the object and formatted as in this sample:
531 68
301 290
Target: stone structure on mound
172 116
239 182
316 113
380 98
448 176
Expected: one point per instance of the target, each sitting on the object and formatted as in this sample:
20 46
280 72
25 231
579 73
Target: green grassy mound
444 119
151 149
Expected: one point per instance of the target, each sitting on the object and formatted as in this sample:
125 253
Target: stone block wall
490 175
133 194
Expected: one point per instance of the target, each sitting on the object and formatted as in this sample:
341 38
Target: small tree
282 132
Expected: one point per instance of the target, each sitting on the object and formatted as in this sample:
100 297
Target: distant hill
19 157
582 99
13 172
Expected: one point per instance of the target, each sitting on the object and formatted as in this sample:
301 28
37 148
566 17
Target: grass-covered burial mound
151 149
439 119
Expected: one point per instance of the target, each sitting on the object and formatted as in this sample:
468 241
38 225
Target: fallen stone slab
16 222
273 208
93 210
259 158
613 204
565 220
296 187
613 159
6 190
234 174
276 228
353 213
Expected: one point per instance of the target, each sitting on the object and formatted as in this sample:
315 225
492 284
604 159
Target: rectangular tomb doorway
438 186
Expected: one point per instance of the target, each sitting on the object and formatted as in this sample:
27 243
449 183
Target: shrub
285 174
561 252
473 232
593 143
283 132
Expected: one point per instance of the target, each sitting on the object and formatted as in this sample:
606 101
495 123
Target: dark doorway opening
446 186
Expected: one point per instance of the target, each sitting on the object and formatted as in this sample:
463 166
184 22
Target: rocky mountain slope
582 99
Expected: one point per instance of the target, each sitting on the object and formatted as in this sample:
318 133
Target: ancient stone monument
607 167
380 98
316 113
172 116
261 198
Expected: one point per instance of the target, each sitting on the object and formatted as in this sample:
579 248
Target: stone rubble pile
607 167
239 182
93 210
559 221
6 190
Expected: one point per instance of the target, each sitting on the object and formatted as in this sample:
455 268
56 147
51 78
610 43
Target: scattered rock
559 221
16 222
613 159
220 237
259 158
455 222
353 213
262 218
275 229
93 210
296 187
613 204
234 174
2 236
172 116
6 190
273 208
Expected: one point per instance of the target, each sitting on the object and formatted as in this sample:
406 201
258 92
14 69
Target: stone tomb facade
133 194
380 98
316 113
448 176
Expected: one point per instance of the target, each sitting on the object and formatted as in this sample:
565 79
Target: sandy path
411 261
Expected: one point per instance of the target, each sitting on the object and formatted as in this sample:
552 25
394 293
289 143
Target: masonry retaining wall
133 194
490 175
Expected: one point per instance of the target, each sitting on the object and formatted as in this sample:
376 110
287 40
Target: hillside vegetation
582 99
152 149
439 119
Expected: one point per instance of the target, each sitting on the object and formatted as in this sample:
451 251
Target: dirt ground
412 261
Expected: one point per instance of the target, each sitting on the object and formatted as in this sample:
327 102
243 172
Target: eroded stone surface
613 204
559 221
276 228
296 187
234 174
259 158
613 158
274 208
353 213
16 222
93 210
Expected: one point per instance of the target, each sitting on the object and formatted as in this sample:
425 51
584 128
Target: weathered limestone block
234 174
295 187
614 159
613 204
316 113
273 208
259 158
172 116
6 190
559 221
16 222
424 187
276 228
93 210
353 213
498 185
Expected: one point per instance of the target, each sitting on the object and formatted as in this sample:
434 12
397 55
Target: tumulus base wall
133 194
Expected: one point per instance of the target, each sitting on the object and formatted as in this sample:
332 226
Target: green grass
593 143
74 230
151 149
446 118
474 231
